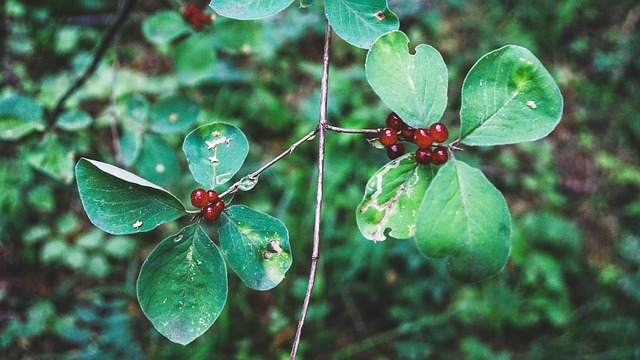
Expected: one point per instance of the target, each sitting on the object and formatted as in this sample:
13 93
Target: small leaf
173 114
182 286
130 146
215 153
73 120
247 183
164 26
414 86
465 217
19 116
256 246
120 202
249 9
305 4
392 198
508 97
360 22
54 156
158 162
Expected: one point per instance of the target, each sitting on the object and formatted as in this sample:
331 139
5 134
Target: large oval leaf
195 59
392 198
215 153
158 162
120 202
360 22
249 9
173 114
465 217
256 246
414 86
182 286
508 97
54 156
164 26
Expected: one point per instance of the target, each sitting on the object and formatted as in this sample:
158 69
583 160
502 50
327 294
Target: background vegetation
572 285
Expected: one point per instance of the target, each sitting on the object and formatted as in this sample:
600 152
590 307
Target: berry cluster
209 202
195 16
427 153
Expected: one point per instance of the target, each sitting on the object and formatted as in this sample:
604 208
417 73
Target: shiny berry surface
212 196
439 132
388 137
210 213
439 156
407 133
423 156
394 122
422 137
395 151
218 205
199 198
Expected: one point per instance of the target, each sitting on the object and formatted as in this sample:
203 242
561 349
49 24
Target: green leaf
173 114
360 22
19 116
414 86
53 156
392 198
164 26
508 97
249 9
215 153
256 246
120 202
305 4
73 120
195 59
465 217
182 286
158 162
130 146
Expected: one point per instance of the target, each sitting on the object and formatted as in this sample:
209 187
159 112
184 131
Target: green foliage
360 22
182 286
414 86
465 217
256 246
249 9
120 202
508 97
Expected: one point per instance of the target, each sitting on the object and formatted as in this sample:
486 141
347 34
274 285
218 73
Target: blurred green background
571 288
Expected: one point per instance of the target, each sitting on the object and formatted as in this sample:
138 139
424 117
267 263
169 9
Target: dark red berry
388 137
210 213
394 122
423 156
407 133
212 196
439 132
395 151
422 137
199 198
439 155
218 205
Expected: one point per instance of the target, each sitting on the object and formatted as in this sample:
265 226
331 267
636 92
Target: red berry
422 137
439 132
395 151
423 156
199 198
394 122
212 196
218 205
439 155
407 133
210 213
388 137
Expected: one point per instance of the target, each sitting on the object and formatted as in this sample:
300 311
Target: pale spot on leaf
531 104
380 16
160 168
137 224
173 117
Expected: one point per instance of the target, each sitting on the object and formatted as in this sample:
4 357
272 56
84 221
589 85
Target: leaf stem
254 175
351 131
322 128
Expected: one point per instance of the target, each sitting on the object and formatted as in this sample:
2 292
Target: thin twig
322 126
254 175
97 56
351 131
